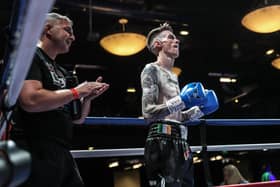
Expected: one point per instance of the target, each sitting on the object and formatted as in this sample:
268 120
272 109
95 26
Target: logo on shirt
57 76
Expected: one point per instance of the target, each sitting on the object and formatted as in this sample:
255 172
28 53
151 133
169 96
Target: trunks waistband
168 130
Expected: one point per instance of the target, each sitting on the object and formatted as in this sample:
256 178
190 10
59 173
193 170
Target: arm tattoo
151 108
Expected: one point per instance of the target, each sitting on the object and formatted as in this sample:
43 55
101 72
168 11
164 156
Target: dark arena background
218 51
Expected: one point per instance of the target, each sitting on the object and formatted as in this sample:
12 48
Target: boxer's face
170 44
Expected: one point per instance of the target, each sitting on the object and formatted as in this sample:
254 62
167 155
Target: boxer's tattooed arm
150 94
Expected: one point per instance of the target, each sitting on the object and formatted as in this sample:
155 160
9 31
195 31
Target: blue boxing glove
193 94
211 103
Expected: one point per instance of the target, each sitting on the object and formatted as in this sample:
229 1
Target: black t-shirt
53 125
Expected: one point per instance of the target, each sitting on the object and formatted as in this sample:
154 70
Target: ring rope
140 151
124 121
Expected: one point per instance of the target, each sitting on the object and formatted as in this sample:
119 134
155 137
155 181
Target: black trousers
168 160
52 166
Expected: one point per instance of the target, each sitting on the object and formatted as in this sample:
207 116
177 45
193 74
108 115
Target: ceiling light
263 20
276 63
177 70
123 43
136 166
269 52
113 164
227 80
184 32
219 157
233 80
212 158
131 90
197 161
195 158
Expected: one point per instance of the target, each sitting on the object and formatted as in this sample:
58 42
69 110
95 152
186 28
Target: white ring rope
140 151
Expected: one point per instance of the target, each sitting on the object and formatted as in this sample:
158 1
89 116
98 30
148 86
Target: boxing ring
26 31
203 148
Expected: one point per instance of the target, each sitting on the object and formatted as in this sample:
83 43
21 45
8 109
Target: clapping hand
98 88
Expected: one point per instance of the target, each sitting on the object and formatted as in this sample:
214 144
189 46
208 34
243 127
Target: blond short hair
235 176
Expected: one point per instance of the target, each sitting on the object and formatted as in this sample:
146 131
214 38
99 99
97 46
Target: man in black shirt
43 116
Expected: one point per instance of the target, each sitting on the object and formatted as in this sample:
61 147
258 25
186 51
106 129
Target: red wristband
75 93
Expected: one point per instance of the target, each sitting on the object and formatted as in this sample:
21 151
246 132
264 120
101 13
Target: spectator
232 175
